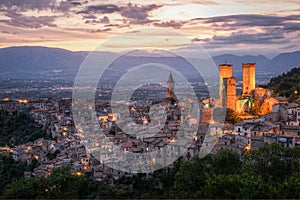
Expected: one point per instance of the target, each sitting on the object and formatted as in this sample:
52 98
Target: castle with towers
228 95
243 102
239 103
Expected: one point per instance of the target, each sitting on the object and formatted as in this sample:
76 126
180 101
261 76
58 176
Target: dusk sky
265 27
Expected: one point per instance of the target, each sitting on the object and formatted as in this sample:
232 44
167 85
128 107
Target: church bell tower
170 86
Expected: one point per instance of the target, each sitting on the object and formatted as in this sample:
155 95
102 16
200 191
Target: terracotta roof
128 144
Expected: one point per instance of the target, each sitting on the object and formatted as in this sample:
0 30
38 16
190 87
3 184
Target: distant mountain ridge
43 62
38 62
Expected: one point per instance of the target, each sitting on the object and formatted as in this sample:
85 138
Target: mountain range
33 62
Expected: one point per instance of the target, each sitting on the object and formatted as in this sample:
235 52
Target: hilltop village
278 122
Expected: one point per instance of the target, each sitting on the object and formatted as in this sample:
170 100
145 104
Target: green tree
18 129
290 187
9 170
220 186
61 184
287 84
226 162
272 161
191 176
25 189
236 186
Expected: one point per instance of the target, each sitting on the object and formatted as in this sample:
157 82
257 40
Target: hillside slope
287 84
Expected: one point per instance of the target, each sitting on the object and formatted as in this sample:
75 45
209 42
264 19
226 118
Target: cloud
250 29
53 5
92 21
17 12
291 27
23 5
75 3
89 16
7 32
204 2
104 20
100 30
32 22
249 20
132 14
198 2
200 40
290 46
296 2
244 38
136 12
116 25
172 23
103 9
63 6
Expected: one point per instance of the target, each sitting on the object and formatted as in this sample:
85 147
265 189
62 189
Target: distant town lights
23 101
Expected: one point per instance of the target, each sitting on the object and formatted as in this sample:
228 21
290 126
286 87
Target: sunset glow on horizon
237 26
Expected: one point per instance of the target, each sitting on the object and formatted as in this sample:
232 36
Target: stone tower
230 92
170 86
225 72
248 78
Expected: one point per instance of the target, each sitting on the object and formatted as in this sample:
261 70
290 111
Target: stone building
170 87
225 73
244 102
248 78
230 93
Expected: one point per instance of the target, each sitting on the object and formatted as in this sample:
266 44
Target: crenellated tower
225 72
248 78
230 93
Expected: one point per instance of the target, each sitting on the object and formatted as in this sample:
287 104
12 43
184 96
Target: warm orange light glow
153 161
248 148
195 138
23 101
86 166
171 140
145 121
78 173
103 118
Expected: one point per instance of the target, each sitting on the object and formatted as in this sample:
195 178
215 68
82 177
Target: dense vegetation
286 84
270 172
18 129
9 170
